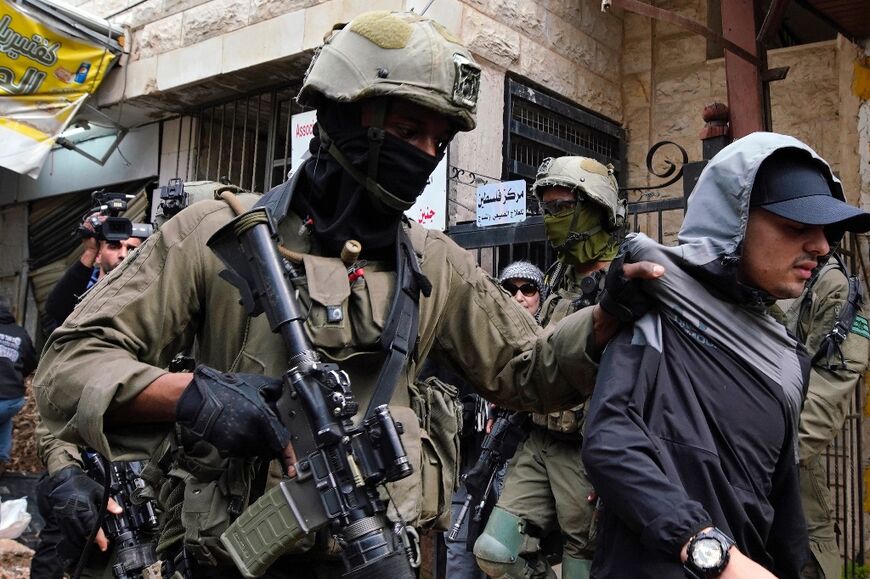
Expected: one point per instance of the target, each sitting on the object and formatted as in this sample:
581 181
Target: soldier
546 489
391 90
829 320
68 522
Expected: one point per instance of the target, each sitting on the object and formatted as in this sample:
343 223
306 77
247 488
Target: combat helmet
396 54
586 177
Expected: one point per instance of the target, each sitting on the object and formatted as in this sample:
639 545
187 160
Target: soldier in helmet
391 90
546 490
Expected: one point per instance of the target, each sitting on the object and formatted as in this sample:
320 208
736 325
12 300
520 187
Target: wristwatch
708 553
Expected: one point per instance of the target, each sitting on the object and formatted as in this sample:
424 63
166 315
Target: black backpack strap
399 338
830 346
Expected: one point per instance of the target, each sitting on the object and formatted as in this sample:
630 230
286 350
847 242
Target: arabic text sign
430 209
45 76
500 203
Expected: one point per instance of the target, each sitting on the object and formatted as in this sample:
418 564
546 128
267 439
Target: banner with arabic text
45 76
501 203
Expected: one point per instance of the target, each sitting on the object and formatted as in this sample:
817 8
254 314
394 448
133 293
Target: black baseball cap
798 187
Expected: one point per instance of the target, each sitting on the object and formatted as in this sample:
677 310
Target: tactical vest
572 296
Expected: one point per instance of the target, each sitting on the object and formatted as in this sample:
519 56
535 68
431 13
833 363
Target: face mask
338 205
580 248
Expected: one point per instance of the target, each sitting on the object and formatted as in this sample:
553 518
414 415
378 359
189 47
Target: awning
52 58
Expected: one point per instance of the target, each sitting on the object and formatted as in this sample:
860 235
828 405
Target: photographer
99 257
66 496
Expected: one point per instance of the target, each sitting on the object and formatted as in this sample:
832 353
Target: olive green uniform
825 408
167 295
546 484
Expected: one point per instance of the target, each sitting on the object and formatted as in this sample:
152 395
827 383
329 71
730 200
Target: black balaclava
338 204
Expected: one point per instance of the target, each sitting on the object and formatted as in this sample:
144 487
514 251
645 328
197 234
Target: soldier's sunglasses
527 289
558 206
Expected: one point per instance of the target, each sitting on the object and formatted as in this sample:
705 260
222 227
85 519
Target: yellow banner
45 76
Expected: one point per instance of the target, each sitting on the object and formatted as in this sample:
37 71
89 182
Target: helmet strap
377 192
376 137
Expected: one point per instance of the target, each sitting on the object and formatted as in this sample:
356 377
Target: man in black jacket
17 360
99 257
692 431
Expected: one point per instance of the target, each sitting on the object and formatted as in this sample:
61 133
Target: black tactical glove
75 500
234 412
623 298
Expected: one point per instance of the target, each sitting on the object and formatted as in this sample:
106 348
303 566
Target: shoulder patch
860 327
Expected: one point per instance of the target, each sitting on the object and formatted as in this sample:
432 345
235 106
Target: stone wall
667 80
570 47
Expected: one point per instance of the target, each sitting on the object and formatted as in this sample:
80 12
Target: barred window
540 125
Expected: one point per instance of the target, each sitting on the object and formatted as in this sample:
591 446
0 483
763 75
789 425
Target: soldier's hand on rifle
75 501
101 540
236 413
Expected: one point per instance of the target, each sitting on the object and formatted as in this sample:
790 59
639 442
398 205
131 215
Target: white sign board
500 203
430 210
301 131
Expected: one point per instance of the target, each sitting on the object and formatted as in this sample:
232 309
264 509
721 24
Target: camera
114 227
173 197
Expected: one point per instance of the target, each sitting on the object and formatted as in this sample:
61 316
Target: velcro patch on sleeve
860 327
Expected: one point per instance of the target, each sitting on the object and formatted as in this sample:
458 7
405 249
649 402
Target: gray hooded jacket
694 416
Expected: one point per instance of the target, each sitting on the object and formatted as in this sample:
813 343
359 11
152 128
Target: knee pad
499 546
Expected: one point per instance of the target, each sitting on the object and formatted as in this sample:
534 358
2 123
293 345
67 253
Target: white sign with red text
430 210
301 131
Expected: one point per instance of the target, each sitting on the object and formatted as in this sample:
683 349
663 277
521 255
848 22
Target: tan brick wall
667 80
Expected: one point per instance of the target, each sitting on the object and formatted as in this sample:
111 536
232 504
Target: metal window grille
245 141
843 460
538 125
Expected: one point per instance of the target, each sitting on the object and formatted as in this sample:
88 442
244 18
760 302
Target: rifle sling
399 338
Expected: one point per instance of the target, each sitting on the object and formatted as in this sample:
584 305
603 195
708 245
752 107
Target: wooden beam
742 77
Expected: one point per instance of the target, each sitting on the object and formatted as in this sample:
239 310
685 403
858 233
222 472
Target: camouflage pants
825 561
546 485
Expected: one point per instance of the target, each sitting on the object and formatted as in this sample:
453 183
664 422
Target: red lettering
305 130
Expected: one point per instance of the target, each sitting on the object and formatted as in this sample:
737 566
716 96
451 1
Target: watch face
707 553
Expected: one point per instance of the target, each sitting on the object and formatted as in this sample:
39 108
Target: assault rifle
498 447
341 465
132 532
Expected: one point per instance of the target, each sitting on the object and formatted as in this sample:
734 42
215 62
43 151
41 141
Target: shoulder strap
399 338
830 344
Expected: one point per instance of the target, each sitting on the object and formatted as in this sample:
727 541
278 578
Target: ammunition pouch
202 494
439 412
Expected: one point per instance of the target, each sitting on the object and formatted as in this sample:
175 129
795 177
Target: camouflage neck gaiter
586 241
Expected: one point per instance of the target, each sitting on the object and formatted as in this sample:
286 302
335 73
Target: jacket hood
718 208
6 316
